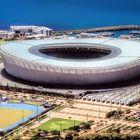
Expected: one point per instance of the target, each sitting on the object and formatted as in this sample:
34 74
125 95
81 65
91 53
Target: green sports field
58 124
9 116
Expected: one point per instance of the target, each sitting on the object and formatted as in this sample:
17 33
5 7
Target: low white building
6 34
32 30
87 35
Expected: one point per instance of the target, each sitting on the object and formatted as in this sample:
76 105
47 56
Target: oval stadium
72 61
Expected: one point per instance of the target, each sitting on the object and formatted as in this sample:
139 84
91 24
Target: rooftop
129 52
32 26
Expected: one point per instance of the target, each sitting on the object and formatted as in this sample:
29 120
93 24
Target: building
6 34
72 61
31 30
91 35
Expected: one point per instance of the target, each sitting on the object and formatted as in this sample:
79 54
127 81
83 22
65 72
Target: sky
69 13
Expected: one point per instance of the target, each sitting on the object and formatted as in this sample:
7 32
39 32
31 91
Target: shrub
76 128
127 111
85 125
114 113
70 135
111 114
55 132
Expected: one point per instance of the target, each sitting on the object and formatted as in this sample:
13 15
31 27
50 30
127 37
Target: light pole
120 101
70 118
74 122
99 114
110 106
7 90
87 117
37 112
61 127
49 114
15 88
22 116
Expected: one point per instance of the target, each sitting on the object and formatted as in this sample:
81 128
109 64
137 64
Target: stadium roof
129 52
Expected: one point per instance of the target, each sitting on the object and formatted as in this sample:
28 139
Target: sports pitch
58 124
14 114
9 116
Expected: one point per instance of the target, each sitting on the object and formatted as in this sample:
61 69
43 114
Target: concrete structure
92 35
32 30
6 34
32 60
124 96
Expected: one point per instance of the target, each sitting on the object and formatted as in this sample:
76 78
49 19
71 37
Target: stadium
72 61
32 66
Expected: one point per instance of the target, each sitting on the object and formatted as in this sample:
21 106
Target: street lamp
15 88
74 122
111 106
61 127
22 116
87 117
70 118
99 113
37 112
49 114
120 101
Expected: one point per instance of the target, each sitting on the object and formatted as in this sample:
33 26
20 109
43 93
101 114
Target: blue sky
69 13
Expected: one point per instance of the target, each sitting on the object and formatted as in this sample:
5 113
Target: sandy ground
87 110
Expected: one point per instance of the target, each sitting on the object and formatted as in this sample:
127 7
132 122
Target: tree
85 125
70 135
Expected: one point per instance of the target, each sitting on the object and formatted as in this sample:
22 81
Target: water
115 33
64 14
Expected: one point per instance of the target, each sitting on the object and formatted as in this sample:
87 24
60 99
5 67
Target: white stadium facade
72 61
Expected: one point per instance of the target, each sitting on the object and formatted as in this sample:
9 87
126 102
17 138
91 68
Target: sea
69 14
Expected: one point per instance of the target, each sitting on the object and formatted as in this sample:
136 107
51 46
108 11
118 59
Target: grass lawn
58 124
9 116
